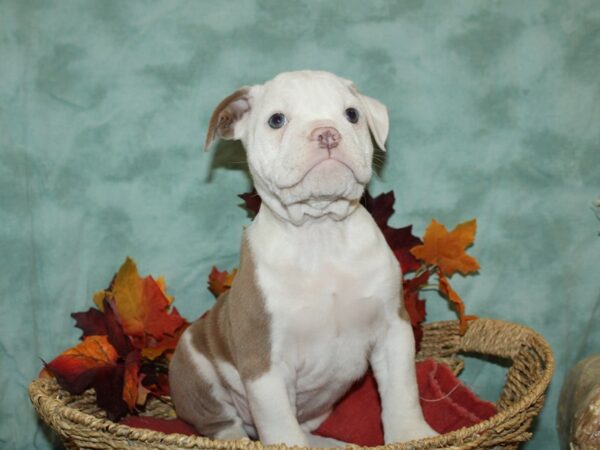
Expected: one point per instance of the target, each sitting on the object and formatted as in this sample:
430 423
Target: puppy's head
307 137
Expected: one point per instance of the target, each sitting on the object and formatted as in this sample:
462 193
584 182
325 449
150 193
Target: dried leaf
76 368
380 207
92 322
162 284
219 282
415 306
131 379
252 202
400 240
448 292
446 250
154 349
141 305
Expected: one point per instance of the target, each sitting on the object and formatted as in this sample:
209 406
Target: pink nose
328 137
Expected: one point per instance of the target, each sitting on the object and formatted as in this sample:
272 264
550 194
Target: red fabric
447 405
167 426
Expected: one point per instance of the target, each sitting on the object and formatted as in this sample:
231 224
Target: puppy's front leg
272 411
393 363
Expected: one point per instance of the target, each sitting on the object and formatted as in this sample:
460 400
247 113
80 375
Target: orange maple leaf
446 250
219 282
93 353
448 292
134 393
162 284
166 345
141 304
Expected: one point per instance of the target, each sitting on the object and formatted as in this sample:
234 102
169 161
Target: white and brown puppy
318 294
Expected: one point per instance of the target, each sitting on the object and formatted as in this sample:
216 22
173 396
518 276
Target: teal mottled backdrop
495 114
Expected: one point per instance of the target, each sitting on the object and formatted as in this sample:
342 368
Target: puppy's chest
328 310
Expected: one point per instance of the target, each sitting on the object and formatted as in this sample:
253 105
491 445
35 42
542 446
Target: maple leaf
131 379
380 207
77 368
92 322
446 250
156 378
156 348
400 240
415 306
114 330
252 202
162 284
219 282
137 333
141 305
448 292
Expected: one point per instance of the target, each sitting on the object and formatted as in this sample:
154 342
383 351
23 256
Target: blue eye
352 115
277 120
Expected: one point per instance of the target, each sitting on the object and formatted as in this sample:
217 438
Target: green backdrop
494 109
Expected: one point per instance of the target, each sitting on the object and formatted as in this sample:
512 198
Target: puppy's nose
328 137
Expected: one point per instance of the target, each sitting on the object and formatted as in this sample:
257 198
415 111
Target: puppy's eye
352 115
277 120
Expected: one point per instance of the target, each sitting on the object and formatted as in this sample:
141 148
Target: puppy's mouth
330 160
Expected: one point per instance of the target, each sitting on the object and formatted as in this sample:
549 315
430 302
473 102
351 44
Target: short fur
318 296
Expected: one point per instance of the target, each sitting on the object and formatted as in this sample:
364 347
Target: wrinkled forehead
307 92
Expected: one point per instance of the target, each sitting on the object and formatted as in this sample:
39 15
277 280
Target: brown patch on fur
193 397
237 328
224 116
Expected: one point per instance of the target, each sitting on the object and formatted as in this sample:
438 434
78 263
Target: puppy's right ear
227 119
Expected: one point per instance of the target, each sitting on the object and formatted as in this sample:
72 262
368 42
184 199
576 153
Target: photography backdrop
495 115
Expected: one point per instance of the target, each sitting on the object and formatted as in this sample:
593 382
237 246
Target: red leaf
380 207
114 330
108 385
75 367
252 201
131 379
92 322
414 305
400 240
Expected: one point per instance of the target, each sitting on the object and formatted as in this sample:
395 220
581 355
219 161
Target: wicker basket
81 424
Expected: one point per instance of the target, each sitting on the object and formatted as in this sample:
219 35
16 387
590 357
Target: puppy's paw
233 432
409 432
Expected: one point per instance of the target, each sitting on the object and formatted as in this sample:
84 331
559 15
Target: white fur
333 291
331 284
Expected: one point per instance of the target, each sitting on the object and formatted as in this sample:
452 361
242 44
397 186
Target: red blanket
447 405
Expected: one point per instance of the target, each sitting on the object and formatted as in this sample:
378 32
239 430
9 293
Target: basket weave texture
81 424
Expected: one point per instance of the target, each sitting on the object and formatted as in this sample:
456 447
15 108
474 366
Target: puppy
317 298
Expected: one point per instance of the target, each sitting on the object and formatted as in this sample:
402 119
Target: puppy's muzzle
328 137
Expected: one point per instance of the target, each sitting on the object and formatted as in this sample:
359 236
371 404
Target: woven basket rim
46 404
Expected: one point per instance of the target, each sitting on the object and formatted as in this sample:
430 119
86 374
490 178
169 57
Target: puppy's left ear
377 119
377 115
228 119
